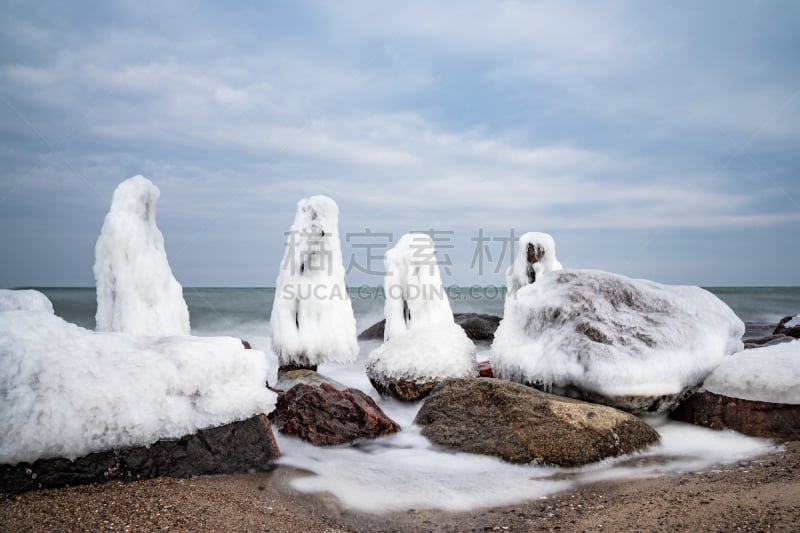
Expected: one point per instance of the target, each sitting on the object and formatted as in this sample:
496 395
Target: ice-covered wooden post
136 291
422 343
536 255
312 319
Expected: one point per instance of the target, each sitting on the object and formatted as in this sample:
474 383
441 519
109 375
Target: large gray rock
522 425
248 445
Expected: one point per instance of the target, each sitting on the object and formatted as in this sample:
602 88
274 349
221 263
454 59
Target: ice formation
536 256
613 335
24 300
422 341
66 391
136 291
312 319
769 374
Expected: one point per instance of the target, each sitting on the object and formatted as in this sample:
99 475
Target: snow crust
312 319
413 286
422 342
536 256
769 374
613 335
24 300
136 291
66 391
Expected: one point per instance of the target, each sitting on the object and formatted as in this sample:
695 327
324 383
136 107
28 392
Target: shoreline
758 494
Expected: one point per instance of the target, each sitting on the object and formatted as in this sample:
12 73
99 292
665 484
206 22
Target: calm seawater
245 312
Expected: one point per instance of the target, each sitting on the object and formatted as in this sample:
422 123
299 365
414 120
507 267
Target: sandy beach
762 494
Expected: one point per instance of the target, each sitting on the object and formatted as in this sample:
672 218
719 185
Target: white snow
524 272
413 286
136 291
652 339
769 374
422 341
66 391
312 319
24 300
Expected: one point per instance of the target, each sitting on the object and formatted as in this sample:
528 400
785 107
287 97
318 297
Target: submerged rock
754 418
522 425
325 416
477 326
248 445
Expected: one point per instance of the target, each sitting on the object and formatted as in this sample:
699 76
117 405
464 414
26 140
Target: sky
658 140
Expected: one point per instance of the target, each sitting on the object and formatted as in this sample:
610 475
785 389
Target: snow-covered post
422 343
312 319
136 291
536 255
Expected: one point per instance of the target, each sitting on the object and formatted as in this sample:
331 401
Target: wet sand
758 495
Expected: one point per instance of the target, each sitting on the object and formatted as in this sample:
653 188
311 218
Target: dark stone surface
770 340
485 369
403 389
757 419
325 416
478 327
521 425
780 328
658 404
244 446
793 332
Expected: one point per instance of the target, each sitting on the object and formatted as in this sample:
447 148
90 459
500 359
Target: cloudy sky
655 139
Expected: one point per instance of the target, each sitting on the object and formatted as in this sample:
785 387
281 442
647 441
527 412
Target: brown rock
403 389
754 418
521 425
325 416
485 369
289 378
248 445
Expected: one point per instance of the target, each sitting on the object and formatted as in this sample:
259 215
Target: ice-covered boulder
312 319
24 300
422 343
756 392
136 291
536 256
66 391
769 374
632 344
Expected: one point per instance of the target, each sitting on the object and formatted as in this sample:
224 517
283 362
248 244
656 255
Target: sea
405 471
